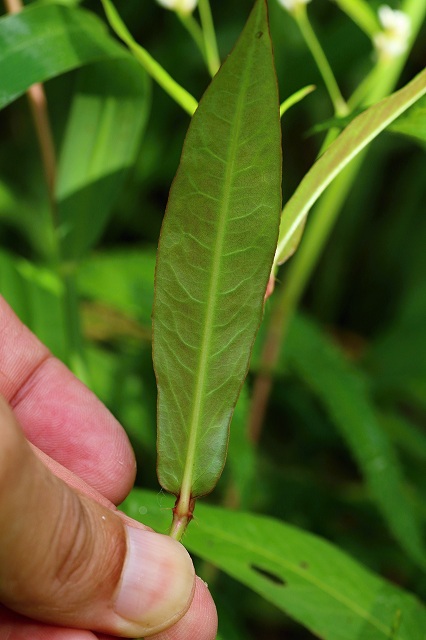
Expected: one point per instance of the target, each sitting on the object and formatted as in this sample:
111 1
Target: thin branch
38 106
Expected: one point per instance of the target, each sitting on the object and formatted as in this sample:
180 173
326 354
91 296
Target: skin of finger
34 502
199 622
16 627
73 585
59 414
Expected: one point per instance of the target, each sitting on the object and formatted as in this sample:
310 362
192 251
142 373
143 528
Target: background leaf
312 581
345 395
215 252
241 454
103 132
36 295
350 142
28 39
130 277
107 115
412 123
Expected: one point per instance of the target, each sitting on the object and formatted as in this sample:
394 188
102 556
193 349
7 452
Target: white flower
184 6
291 5
392 41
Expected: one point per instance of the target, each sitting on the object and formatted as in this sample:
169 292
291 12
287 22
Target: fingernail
157 582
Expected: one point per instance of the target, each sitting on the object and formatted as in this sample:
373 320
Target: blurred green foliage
365 305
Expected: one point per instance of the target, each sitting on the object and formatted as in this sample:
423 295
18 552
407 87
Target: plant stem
295 98
210 42
262 386
13 6
196 33
38 105
180 95
339 104
182 515
151 66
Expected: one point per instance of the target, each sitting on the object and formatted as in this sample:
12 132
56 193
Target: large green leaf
107 114
343 391
102 137
357 135
44 41
216 250
311 580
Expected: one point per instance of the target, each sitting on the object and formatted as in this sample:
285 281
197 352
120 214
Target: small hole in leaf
259 34
268 575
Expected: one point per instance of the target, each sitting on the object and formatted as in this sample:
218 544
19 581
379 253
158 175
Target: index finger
61 416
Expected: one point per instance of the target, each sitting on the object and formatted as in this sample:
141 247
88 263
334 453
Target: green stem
196 33
151 66
339 104
295 98
210 42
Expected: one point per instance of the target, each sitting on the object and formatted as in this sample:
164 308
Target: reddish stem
182 516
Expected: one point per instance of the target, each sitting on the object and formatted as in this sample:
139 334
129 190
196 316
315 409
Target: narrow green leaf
102 137
357 135
45 41
306 577
215 253
343 391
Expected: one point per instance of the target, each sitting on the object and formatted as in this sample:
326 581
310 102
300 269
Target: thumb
69 561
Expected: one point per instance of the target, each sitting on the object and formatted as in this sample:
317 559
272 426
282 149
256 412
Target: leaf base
182 516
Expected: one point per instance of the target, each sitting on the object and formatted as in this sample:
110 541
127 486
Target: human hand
71 566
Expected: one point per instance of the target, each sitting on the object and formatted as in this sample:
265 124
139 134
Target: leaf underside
215 254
